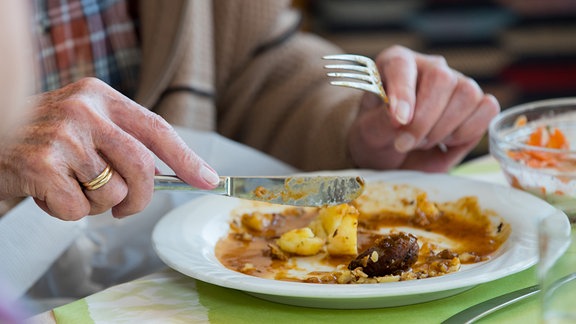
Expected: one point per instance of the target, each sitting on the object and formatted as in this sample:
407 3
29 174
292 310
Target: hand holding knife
296 190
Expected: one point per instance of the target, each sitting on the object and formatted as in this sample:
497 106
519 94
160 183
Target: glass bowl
535 145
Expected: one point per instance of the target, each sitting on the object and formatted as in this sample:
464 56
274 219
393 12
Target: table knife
297 190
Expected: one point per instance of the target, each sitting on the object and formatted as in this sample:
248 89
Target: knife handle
171 182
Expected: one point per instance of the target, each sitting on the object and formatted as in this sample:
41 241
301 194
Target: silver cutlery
483 309
364 70
478 311
297 191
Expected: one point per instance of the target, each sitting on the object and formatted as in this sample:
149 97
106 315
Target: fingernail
404 142
402 112
209 175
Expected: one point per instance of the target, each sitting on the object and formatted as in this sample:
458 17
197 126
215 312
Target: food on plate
337 226
300 241
392 232
390 255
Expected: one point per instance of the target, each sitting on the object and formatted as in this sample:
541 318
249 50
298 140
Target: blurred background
518 50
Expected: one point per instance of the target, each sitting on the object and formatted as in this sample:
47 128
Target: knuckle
158 123
395 54
77 108
397 50
97 208
437 60
160 127
143 162
444 75
470 88
71 212
133 205
136 207
72 105
491 105
89 83
44 162
82 87
396 60
59 201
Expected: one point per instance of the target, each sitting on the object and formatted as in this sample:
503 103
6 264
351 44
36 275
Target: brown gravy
248 251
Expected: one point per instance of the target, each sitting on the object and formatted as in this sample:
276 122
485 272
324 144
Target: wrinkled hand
429 104
73 133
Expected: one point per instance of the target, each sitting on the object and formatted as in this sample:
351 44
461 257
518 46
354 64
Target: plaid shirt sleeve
87 38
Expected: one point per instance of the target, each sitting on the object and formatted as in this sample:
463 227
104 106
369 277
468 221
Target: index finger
161 138
399 74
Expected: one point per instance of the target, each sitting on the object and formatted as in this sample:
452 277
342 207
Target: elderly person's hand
70 138
430 105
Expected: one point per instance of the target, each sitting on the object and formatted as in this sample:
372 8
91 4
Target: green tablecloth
169 296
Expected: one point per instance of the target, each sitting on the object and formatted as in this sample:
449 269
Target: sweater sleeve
272 91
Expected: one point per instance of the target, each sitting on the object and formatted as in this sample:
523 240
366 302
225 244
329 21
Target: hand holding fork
430 106
365 71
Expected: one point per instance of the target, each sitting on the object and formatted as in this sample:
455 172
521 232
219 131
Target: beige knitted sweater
243 69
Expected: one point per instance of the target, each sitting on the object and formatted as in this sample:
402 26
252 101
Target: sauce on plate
450 234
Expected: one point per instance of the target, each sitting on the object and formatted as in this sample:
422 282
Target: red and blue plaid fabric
81 38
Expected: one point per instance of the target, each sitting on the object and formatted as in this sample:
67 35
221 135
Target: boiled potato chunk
300 241
423 205
338 225
257 221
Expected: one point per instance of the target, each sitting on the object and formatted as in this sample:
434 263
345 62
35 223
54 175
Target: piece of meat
391 255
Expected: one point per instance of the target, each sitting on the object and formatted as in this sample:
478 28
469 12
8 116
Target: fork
365 72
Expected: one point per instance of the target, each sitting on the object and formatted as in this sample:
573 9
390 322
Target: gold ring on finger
100 180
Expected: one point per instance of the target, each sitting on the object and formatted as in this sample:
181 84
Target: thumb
399 74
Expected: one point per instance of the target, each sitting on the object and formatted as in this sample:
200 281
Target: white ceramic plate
185 239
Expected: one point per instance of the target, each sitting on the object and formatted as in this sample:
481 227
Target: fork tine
370 75
348 57
349 67
357 85
355 76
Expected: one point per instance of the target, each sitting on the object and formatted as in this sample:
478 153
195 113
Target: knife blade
311 191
